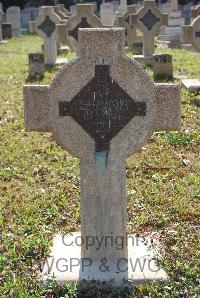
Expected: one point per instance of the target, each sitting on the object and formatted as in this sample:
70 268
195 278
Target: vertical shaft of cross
148 44
50 50
103 205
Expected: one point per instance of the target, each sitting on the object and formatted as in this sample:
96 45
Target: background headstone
162 66
191 34
36 66
149 19
6 31
28 15
46 29
14 18
130 29
98 109
84 18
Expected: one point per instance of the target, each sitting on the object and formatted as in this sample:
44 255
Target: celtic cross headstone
45 27
84 18
124 21
98 110
149 19
191 34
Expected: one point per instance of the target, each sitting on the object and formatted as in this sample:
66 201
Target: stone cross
97 109
124 21
149 19
84 18
46 28
1 21
13 17
64 10
191 33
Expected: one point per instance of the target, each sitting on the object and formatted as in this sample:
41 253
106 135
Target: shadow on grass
195 101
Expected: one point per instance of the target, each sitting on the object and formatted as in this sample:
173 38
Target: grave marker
191 34
36 66
84 18
6 31
149 19
45 27
162 66
98 109
14 18
130 30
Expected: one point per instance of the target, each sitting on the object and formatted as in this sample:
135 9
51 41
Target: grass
40 191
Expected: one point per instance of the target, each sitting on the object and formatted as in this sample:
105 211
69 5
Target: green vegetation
40 191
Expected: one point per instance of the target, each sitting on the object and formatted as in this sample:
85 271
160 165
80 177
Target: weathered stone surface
149 19
162 66
83 19
14 18
36 66
98 109
191 34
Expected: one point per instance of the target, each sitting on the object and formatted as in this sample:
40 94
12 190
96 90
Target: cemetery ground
40 190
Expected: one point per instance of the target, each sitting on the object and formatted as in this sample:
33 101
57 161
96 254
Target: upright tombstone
191 34
36 66
98 110
1 21
6 30
46 29
13 17
149 19
130 30
163 67
107 14
83 19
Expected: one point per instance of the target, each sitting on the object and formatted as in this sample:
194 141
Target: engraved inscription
82 24
36 58
102 108
149 20
47 26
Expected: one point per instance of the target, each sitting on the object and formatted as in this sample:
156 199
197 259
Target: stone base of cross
102 107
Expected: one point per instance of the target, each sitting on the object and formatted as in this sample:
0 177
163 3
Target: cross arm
36 108
168 106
